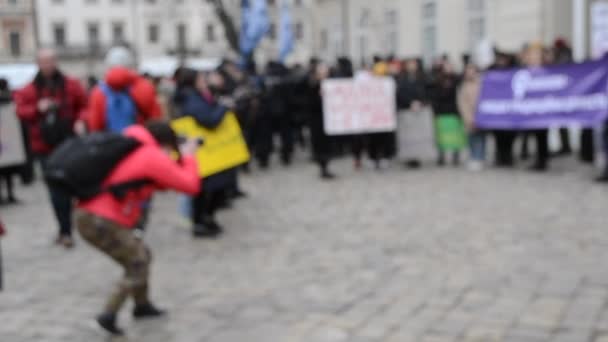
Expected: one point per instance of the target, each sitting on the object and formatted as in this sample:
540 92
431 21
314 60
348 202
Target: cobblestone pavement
398 256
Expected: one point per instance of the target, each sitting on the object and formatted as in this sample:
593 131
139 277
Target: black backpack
79 166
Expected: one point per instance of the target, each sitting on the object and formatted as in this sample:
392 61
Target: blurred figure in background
321 142
411 95
443 100
195 99
52 107
504 139
7 173
124 97
468 94
562 54
533 58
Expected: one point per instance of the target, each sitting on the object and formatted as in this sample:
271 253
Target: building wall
16 19
506 23
205 36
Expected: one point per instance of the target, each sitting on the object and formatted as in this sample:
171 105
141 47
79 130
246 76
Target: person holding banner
195 99
533 58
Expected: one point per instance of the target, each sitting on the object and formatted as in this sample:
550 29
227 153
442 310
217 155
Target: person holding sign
194 99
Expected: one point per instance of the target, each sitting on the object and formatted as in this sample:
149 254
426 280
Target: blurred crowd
279 109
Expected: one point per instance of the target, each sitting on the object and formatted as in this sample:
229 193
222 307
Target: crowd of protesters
276 104
278 108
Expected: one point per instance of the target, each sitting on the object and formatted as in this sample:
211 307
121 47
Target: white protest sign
360 105
599 29
12 150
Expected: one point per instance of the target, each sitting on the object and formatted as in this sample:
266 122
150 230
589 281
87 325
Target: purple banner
543 97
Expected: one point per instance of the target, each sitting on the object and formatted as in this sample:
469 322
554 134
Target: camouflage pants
123 247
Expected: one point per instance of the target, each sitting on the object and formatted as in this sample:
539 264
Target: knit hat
120 56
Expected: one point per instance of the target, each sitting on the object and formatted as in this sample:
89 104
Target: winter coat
410 89
141 90
443 95
468 94
208 114
149 162
66 91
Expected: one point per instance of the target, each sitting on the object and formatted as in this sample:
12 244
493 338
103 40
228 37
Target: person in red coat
121 77
52 93
108 222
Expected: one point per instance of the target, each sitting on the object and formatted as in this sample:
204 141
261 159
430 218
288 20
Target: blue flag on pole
286 35
255 23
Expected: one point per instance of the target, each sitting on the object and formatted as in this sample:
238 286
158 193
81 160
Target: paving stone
434 255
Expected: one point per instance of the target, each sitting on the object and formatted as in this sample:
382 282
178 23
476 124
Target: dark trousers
381 146
504 147
564 137
587 152
541 137
263 131
205 205
61 203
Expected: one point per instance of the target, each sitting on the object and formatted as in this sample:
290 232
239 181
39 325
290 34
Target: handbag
55 129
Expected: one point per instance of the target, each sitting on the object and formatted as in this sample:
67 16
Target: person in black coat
195 99
321 142
411 93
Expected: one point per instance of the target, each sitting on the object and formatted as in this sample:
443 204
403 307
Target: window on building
118 32
59 34
299 28
392 29
181 36
324 40
391 17
15 41
93 34
12 2
429 10
153 33
298 3
476 21
363 49
365 17
392 43
429 30
271 2
477 5
210 33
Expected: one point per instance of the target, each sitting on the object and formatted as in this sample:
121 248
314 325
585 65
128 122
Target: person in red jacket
108 222
122 79
52 94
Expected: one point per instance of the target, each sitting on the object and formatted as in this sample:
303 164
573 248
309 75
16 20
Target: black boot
209 229
108 322
147 311
603 178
